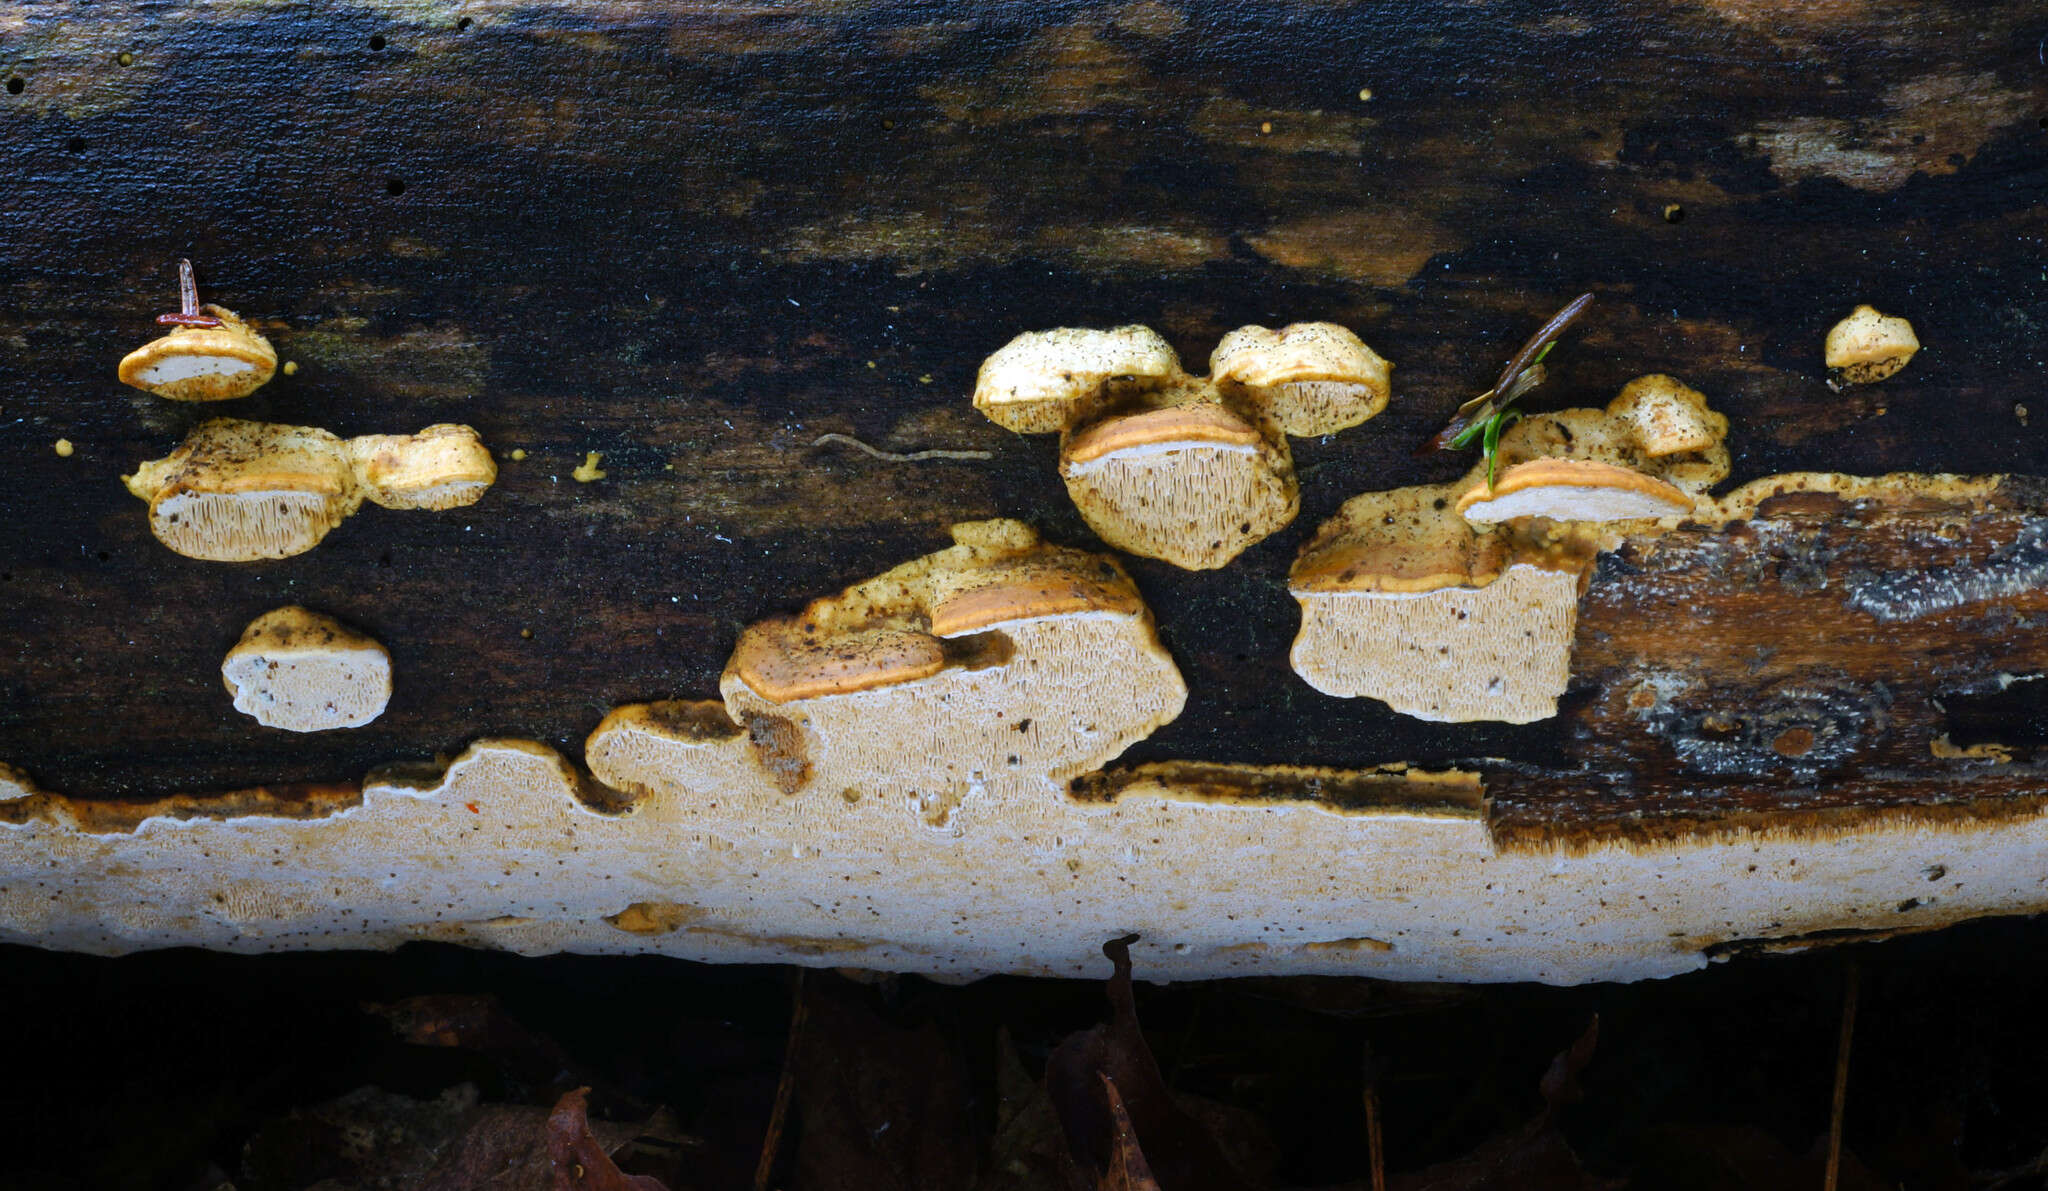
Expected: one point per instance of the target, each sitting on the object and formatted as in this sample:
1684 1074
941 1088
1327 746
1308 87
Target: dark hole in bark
2014 714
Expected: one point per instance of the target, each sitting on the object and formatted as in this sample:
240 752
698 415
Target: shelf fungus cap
1868 346
1041 381
203 363
304 672
791 658
1192 484
1667 416
442 467
1573 490
238 491
1311 378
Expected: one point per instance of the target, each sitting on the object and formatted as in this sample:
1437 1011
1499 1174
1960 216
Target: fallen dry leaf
878 1105
580 1162
1532 1157
1182 1156
1128 1170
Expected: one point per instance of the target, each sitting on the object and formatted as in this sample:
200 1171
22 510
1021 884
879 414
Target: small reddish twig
188 302
771 1145
1375 1144
1835 1115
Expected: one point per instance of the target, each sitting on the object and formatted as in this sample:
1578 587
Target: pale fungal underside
963 687
239 491
885 784
202 363
303 672
1191 470
1458 601
508 849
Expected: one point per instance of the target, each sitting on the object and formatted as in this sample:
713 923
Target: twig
1375 1145
188 302
892 456
1492 403
1841 1077
784 1089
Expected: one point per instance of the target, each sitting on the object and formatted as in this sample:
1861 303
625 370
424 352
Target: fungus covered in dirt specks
238 491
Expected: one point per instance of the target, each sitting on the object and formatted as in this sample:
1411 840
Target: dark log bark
695 239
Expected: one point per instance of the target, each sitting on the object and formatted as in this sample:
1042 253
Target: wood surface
696 237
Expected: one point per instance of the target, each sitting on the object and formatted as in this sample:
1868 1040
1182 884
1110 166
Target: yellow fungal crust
442 467
1398 590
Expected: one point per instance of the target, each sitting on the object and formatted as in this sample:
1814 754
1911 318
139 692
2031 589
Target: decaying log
773 827
701 240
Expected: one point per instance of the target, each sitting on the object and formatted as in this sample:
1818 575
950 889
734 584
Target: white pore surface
1572 502
176 368
501 852
309 690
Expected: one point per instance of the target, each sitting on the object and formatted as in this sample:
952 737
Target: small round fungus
1311 378
64 448
304 672
1868 346
1191 484
210 354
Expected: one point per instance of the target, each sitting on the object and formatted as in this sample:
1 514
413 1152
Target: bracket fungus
1191 470
238 491
304 672
970 682
1458 601
1868 346
209 355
